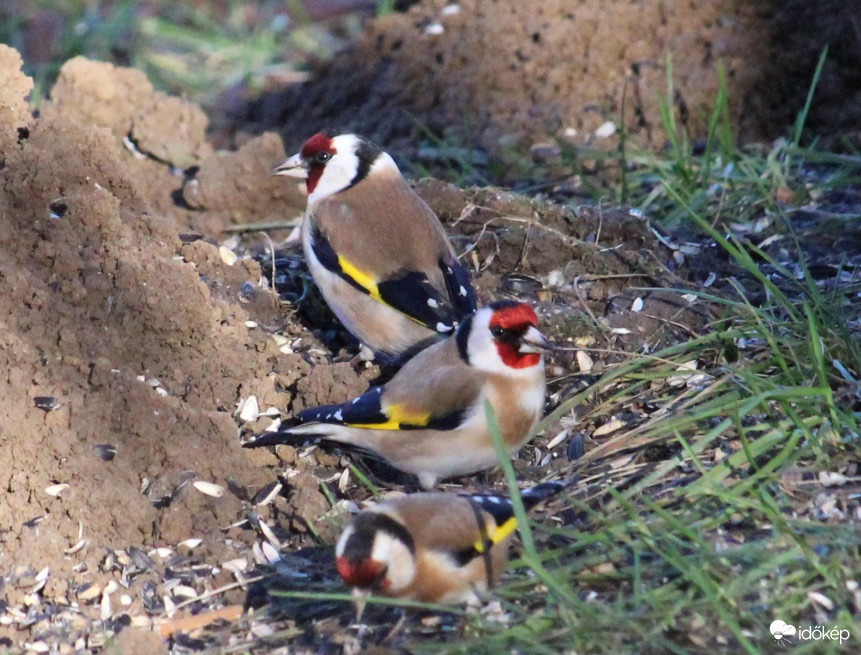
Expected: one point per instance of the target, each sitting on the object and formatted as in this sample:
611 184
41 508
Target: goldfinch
377 252
429 419
432 547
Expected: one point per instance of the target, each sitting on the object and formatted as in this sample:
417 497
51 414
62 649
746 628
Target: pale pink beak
533 341
293 166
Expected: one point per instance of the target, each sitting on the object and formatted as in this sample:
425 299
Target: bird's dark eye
497 332
322 157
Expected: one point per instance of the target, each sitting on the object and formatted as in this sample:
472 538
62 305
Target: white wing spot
432 303
355 400
462 291
338 416
442 327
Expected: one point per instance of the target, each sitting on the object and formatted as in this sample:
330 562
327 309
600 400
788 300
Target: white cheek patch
343 539
337 176
399 560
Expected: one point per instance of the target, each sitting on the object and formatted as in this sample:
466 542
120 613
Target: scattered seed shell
270 552
270 536
268 493
236 565
105 451
637 305
47 403
606 130
608 427
77 547
584 361
519 283
184 591
208 488
558 439
227 255
56 489
191 544
577 446
88 591
249 409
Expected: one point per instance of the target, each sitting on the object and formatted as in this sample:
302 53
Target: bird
429 419
432 547
377 252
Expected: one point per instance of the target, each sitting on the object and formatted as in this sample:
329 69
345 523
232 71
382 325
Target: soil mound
506 74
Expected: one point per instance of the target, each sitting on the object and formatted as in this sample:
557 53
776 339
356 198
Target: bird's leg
360 596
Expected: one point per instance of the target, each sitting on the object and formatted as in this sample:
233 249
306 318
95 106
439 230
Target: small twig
206 595
257 227
189 624
272 256
601 328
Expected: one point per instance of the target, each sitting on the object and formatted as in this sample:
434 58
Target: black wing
366 411
412 293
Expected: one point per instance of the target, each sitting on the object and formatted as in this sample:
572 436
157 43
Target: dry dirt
119 304
504 75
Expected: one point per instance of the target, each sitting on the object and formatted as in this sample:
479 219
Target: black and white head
376 553
330 164
502 338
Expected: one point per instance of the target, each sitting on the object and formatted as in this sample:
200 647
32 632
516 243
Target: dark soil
507 75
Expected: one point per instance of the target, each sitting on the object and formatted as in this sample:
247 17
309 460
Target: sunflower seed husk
227 255
577 446
56 489
249 409
268 493
88 591
184 591
344 480
520 283
208 488
558 439
270 536
105 451
584 361
140 559
77 547
236 565
105 607
47 403
608 427
270 552
191 544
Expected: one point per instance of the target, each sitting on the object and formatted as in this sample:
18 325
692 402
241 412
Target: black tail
280 438
543 491
500 507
